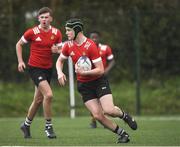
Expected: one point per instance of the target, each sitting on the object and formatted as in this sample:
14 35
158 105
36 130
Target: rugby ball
84 63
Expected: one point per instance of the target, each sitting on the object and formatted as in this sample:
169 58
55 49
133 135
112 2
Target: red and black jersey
88 48
106 53
40 45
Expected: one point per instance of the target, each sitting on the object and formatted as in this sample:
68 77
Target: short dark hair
45 10
95 32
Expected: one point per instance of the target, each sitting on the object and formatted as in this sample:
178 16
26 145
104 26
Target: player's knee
49 96
98 116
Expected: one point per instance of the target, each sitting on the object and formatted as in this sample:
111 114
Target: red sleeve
59 37
109 51
28 35
109 54
65 50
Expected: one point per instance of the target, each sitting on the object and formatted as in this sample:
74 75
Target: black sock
27 122
123 115
118 130
48 123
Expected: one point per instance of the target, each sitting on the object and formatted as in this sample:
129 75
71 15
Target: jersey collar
39 26
85 39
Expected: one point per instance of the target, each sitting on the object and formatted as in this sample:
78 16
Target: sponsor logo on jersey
72 53
100 52
52 37
38 39
84 54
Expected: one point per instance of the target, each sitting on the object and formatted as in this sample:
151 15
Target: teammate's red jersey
106 53
40 45
88 48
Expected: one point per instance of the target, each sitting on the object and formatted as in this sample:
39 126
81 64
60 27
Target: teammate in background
107 58
44 40
92 85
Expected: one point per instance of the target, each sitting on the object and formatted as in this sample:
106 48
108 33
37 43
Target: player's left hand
80 71
55 49
21 66
77 69
62 79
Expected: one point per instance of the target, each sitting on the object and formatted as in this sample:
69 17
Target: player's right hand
21 66
62 79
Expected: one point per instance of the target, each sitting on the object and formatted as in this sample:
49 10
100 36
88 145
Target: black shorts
94 89
39 74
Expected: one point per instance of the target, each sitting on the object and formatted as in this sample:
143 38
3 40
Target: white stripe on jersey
97 60
24 40
103 47
70 43
110 57
87 45
36 30
54 31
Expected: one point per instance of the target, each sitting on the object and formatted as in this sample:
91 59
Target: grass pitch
152 131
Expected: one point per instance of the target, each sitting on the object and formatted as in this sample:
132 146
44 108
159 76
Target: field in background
158 97
152 131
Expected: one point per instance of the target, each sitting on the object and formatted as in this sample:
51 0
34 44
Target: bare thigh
45 89
94 106
107 101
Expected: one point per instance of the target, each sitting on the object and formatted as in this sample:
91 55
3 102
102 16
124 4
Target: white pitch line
157 118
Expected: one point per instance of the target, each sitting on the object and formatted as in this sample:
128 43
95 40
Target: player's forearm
110 66
97 71
94 72
59 66
19 52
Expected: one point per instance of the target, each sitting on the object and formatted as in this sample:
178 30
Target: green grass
157 98
152 131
